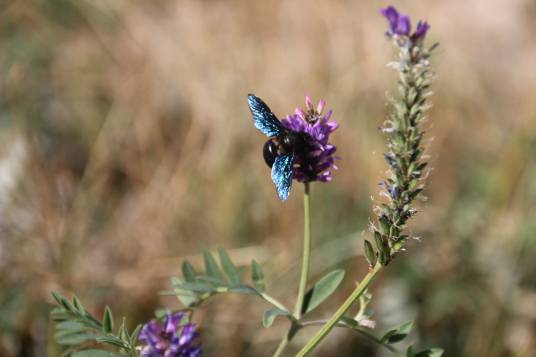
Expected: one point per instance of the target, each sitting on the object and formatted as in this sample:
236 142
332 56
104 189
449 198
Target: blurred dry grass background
126 145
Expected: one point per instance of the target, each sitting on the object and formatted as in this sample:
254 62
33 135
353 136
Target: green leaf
187 298
432 352
188 271
269 316
134 335
212 282
70 326
211 266
97 353
322 290
112 340
397 334
57 297
228 267
123 332
257 275
70 338
107 320
78 305
62 301
243 289
196 287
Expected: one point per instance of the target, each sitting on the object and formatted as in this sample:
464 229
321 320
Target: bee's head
270 152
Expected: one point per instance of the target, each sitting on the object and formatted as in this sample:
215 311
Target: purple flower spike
170 339
400 24
315 159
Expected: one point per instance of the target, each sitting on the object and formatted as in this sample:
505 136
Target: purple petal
399 24
168 339
391 15
321 105
328 115
403 26
172 322
300 113
187 335
308 103
420 32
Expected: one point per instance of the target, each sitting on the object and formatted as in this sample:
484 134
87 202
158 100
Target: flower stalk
304 272
306 251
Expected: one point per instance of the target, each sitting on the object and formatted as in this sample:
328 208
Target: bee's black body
287 142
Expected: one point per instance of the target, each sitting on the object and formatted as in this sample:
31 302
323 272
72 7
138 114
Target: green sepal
369 253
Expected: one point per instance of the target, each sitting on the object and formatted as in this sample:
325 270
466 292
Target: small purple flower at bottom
315 159
400 24
170 338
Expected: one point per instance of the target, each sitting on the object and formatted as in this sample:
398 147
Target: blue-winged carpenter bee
280 149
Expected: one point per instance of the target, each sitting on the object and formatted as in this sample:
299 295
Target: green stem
273 301
293 329
282 345
304 273
332 322
306 252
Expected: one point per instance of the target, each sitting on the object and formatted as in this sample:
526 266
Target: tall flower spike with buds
404 133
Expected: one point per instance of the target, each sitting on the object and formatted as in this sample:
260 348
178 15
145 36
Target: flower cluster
170 338
315 159
400 25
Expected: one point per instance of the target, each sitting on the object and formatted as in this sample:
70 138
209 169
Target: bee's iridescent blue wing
263 117
282 175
